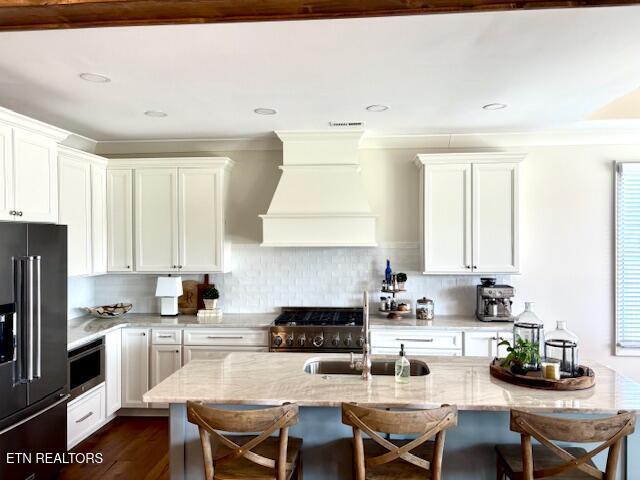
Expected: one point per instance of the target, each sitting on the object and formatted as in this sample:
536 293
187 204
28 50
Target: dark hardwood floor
133 448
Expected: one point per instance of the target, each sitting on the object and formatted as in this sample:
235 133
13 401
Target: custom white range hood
320 200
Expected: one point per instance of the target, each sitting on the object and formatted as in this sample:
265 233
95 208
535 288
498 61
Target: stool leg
499 470
299 466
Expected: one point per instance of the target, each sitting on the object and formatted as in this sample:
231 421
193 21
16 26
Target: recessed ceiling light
265 111
377 108
494 106
155 114
94 77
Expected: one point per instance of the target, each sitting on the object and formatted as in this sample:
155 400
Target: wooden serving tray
586 378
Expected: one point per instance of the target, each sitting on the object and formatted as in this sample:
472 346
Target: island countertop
247 378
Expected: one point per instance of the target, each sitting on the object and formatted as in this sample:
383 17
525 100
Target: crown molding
18 120
147 162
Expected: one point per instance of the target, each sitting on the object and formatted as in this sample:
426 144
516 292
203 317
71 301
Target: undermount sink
378 367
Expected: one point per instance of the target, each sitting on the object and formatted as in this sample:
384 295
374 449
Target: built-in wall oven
86 367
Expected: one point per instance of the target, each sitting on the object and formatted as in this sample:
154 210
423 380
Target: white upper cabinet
35 174
75 210
120 220
200 219
495 217
99 217
178 214
28 168
6 173
469 212
156 219
447 218
82 207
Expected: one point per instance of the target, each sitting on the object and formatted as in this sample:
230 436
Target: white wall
566 250
80 294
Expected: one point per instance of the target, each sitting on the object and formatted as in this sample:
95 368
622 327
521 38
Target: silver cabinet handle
12 212
426 340
80 420
225 337
165 336
19 213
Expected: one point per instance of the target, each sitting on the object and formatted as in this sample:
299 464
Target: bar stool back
379 458
554 461
230 457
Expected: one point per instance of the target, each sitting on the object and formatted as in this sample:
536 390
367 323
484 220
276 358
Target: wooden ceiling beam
57 14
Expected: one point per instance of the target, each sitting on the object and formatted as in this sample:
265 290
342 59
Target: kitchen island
253 379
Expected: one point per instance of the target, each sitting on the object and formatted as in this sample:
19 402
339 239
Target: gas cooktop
320 316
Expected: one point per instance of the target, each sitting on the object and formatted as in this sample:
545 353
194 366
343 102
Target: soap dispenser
402 367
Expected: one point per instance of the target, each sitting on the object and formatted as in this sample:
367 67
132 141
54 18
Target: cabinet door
99 218
480 344
205 352
165 359
75 211
6 174
156 220
447 218
35 171
113 371
495 217
120 220
135 366
201 219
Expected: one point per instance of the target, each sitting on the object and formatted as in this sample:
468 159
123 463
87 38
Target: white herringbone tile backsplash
264 279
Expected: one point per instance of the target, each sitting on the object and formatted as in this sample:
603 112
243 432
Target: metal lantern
562 346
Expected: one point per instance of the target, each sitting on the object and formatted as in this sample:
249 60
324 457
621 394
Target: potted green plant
210 297
401 278
521 354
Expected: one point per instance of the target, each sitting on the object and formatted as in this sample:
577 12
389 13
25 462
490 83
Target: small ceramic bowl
109 311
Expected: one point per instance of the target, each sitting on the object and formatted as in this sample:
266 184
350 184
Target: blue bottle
387 274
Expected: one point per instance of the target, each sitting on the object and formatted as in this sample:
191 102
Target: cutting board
201 287
188 302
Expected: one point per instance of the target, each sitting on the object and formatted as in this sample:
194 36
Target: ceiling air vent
346 124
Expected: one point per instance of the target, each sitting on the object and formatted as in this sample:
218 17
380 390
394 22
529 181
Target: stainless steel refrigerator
33 348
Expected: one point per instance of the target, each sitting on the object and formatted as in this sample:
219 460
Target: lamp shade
169 287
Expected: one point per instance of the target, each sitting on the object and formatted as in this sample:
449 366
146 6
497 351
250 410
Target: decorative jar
561 346
528 332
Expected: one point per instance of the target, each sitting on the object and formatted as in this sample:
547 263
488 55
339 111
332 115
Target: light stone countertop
273 378
85 329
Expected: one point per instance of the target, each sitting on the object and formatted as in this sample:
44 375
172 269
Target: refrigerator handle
22 319
30 313
37 312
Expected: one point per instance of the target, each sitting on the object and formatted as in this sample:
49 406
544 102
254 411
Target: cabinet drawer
166 337
418 352
85 415
226 336
419 339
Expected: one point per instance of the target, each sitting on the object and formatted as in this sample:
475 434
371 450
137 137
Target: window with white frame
628 257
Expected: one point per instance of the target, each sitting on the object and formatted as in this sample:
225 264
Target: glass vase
528 333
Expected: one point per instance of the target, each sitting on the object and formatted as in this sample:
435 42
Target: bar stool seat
511 458
397 469
243 469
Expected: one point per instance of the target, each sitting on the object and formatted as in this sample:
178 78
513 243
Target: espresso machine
493 303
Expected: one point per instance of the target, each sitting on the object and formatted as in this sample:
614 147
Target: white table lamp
169 289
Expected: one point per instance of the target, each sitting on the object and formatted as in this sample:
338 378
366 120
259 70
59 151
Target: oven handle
80 355
37 309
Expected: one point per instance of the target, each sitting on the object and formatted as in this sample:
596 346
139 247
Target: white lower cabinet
416 341
485 344
113 371
165 360
85 415
135 366
202 352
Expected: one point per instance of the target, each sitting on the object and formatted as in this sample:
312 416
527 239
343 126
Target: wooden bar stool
526 461
235 457
380 459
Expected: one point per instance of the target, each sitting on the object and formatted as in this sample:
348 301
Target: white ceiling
552 67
